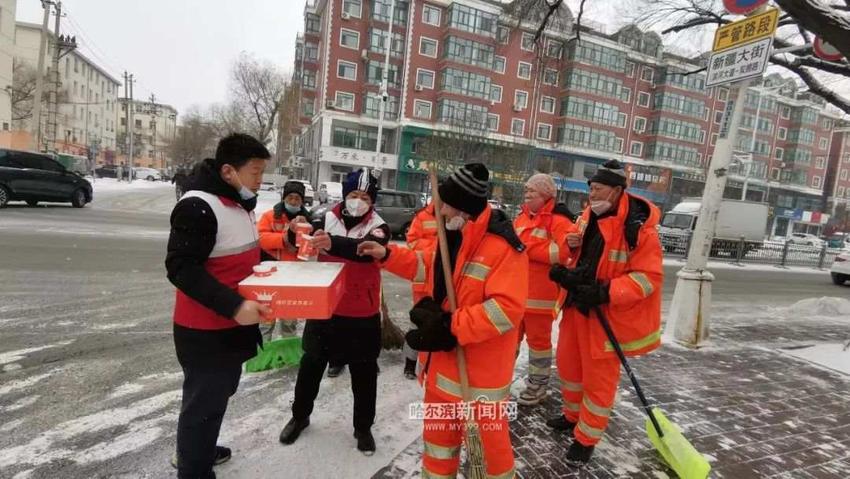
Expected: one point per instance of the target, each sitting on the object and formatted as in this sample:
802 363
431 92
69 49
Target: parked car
839 241
149 174
805 239
840 270
268 186
397 208
33 177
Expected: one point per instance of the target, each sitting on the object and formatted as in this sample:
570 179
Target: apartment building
466 68
154 128
837 183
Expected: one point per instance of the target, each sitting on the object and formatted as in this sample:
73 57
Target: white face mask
600 206
356 207
246 194
456 223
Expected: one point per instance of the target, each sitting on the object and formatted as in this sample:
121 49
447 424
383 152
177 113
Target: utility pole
39 79
385 76
61 47
131 129
154 115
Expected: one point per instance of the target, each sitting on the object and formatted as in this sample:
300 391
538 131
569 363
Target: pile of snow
102 185
824 306
830 355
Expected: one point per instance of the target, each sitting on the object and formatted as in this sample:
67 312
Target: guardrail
778 253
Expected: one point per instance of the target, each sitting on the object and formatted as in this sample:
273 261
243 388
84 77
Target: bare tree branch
815 86
552 9
826 22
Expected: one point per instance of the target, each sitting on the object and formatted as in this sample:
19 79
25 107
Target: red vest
362 297
232 259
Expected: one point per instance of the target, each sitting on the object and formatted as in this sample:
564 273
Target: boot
334 371
410 368
222 455
578 455
560 423
293 429
365 441
532 395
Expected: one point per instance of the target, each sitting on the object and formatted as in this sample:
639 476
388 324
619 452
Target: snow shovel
667 438
276 354
474 448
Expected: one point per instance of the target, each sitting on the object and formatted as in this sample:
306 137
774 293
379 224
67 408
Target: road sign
825 51
738 63
745 31
742 7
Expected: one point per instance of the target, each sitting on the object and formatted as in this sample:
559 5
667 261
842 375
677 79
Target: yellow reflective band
477 271
543 371
590 432
571 386
420 268
539 233
554 253
638 344
618 256
478 394
642 280
497 317
426 474
572 406
507 475
540 304
594 409
441 452
520 230
582 225
429 225
542 354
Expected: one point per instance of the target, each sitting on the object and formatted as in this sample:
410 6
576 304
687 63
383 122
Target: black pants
206 391
341 340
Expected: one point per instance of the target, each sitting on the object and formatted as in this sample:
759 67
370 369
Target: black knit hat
610 173
362 180
294 187
466 189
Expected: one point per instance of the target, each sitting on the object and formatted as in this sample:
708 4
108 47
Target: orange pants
537 329
588 385
443 438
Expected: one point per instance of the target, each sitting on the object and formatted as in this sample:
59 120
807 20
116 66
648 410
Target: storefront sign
359 158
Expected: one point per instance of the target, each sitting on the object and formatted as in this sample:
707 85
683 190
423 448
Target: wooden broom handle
447 273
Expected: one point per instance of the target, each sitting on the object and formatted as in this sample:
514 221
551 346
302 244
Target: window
378 42
816 181
344 101
643 99
673 153
597 55
311 51
544 131
636 149
590 138
782 133
465 82
424 78
352 7
823 143
422 109
676 129
722 94
550 77
840 192
381 11
827 124
431 15
469 52
681 105
524 71
630 69
647 74
547 104
639 125
461 113
714 139
786 112
589 110
138 122
308 107
346 70
492 122
554 49
820 162
472 20
428 47
779 153
349 39
527 42
517 127
774 174
843 175
311 23
627 95
499 64
375 71
521 99
503 35
496 93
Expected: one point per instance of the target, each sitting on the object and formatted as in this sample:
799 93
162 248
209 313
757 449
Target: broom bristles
391 335
475 452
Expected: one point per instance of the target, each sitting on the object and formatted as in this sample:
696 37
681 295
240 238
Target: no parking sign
742 7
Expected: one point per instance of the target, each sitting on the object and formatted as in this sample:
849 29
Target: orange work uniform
422 236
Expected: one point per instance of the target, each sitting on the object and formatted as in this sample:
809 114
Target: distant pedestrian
119 172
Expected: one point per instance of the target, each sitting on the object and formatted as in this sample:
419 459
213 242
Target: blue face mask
291 209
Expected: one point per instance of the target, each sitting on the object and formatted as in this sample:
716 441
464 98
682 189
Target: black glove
427 312
589 295
439 339
568 278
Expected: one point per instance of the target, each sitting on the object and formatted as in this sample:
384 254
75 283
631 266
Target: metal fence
778 253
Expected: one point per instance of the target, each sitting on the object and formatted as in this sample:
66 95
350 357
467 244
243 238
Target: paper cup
300 230
306 252
263 270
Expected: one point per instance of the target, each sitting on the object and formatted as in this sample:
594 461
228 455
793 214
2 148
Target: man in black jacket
213 245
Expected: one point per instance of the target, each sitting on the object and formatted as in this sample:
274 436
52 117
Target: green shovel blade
677 452
276 354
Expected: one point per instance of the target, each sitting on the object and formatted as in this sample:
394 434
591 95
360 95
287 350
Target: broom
667 438
391 335
474 449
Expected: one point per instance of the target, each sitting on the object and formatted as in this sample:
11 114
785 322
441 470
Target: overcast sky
179 50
